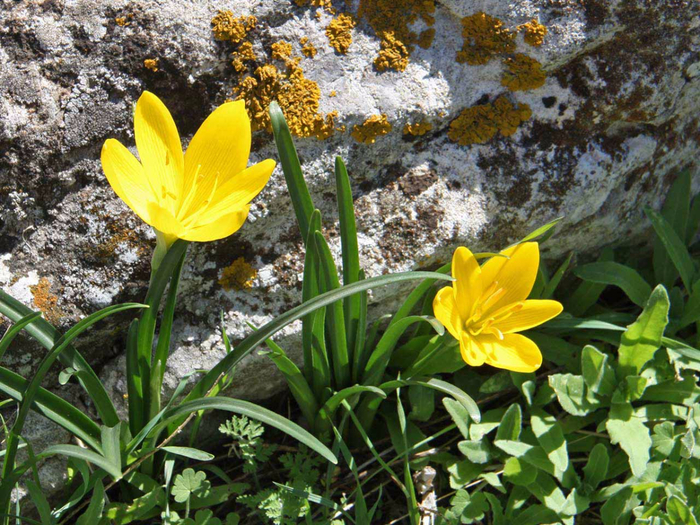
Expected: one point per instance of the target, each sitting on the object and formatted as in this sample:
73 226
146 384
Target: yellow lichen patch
390 20
339 32
243 54
393 54
325 4
297 96
534 32
121 21
151 63
308 49
375 126
281 50
45 301
484 37
417 129
238 276
523 73
227 27
332 93
479 124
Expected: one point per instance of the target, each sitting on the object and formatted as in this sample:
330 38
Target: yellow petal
164 221
446 311
471 351
516 275
160 149
238 191
514 352
468 287
127 178
533 313
218 229
220 148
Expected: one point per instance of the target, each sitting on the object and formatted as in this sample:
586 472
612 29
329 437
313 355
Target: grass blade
542 230
137 410
298 191
46 335
73 451
358 351
551 286
636 288
416 295
675 249
350 251
675 211
587 293
329 408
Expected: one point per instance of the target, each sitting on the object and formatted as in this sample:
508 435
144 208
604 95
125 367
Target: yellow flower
202 195
488 305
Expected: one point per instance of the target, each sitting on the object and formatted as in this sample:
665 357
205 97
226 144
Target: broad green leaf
422 403
536 515
111 446
618 508
631 434
463 472
573 394
188 452
597 373
298 191
518 472
459 415
545 489
125 513
642 339
675 248
190 484
489 422
693 221
665 441
535 456
511 424
596 468
551 438
612 273
475 451
684 392
691 313
496 509
679 512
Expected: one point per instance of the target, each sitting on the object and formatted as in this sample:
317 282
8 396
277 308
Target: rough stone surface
613 125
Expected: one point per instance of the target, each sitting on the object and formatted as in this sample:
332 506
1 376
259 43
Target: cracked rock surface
614 123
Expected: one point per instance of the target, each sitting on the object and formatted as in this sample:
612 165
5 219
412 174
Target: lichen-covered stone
612 124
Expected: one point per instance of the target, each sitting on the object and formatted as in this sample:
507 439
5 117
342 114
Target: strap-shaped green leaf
46 335
676 250
253 411
16 329
335 318
298 191
636 288
251 342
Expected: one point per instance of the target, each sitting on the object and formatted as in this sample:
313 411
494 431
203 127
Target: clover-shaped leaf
190 483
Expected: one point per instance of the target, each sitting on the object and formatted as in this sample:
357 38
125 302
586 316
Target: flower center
485 321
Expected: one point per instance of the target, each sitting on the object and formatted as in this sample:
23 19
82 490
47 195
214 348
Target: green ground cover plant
389 424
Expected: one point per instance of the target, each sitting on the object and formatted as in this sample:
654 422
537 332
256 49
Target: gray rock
612 126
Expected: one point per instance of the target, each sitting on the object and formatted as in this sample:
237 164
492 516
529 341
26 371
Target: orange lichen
151 63
534 32
523 73
308 49
297 96
281 50
243 54
339 32
121 21
390 20
45 301
479 124
484 37
375 126
393 54
325 4
417 129
227 27
332 93
238 276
